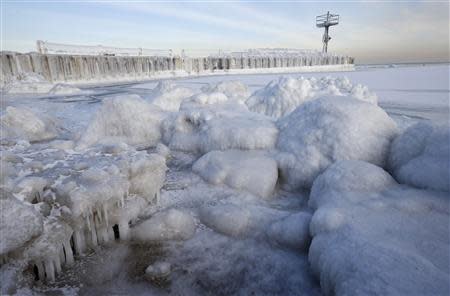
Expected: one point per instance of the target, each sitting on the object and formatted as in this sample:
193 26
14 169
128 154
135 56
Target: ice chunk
168 96
328 129
168 225
124 118
159 269
219 128
420 156
248 170
31 189
228 219
292 231
206 99
24 124
281 97
234 90
20 223
379 238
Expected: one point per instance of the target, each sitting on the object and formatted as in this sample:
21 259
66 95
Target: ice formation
168 96
250 171
281 97
64 89
24 124
124 118
291 231
157 270
374 237
234 90
27 83
420 156
228 219
167 225
328 129
218 127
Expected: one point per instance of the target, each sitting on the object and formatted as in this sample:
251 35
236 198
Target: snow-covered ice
294 184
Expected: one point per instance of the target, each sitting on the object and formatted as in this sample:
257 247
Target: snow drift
374 237
328 129
281 97
420 156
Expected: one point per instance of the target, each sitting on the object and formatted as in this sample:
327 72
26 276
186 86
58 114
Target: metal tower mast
326 21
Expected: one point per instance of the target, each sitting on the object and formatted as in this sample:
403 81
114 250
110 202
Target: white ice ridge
325 130
421 157
372 236
76 207
281 97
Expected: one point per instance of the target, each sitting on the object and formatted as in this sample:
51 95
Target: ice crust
420 157
323 131
251 171
372 236
279 98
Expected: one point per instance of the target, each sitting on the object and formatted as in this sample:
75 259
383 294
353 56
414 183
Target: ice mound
124 118
20 223
281 97
325 130
205 99
218 128
291 231
246 170
21 123
64 89
228 219
168 225
235 90
377 239
28 83
168 96
420 156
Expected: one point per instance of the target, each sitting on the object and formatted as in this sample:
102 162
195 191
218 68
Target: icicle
124 230
41 270
93 234
105 213
78 242
50 270
62 257
57 264
122 201
68 252
102 233
99 214
88 222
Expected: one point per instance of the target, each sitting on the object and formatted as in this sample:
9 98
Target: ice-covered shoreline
218 175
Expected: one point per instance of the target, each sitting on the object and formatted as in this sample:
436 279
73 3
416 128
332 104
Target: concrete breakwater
84 68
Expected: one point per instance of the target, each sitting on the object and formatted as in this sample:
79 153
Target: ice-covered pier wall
74 68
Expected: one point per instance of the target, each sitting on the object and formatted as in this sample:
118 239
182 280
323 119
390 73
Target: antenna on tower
326 21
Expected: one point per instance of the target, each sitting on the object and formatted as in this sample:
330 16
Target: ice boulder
234 90
420 156
325 130
252 171
291 231
281 97
171 224
20 223
228 219
22 123
380 238
218 128
168 96
124 118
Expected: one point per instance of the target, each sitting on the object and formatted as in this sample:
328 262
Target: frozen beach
333 183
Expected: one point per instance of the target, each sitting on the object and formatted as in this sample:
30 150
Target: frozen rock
420 157
380 238
20 223
281 97
252 171
157 270
22 123
168 96
234 90
228 219
124 118
168 225
326 130
292 231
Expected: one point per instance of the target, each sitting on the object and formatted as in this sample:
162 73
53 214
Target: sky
373 32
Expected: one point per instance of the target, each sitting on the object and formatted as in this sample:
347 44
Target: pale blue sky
377 31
